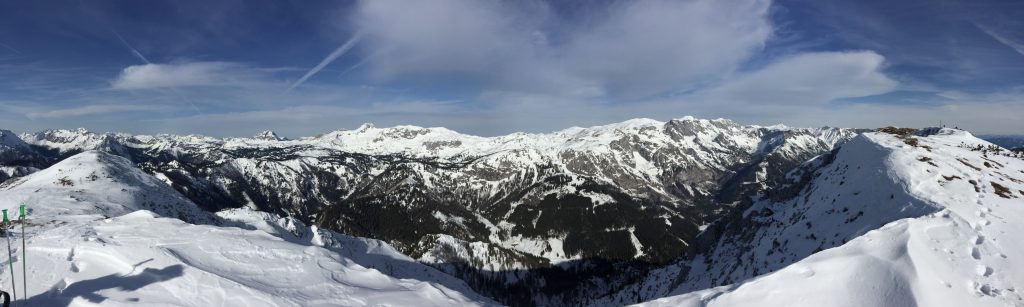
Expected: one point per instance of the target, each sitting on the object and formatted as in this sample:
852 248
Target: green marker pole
24 276
10 257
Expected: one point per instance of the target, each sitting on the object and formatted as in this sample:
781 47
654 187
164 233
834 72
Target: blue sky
489 67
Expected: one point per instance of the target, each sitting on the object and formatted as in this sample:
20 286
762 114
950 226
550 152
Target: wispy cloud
341 50
8 47
807 79
511 65
143 58
627 48
194 74
92 110
1016 46
134 51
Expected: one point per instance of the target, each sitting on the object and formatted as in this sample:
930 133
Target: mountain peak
268 135
12 148
8 138
896 204
365 126
110 183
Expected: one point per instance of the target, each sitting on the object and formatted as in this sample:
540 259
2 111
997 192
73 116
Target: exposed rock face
638 190
889 208
268 135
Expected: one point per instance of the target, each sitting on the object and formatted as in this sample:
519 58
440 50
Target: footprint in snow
985 290
975 253
77 267
983 271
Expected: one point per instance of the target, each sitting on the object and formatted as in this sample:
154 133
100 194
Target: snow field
967 253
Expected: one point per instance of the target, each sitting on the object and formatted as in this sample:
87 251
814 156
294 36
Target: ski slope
967 252
101 232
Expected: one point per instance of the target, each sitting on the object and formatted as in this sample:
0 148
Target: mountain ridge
595 209
918 202
100 231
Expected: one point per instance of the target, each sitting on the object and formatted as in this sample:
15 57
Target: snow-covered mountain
1006 141
568 201
16 157
100 231
12 148
97 183
893 218
685 212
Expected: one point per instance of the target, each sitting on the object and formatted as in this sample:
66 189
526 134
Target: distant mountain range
1006 141
614 214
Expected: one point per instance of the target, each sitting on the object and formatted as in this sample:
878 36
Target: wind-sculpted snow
101 232
894 220
143 259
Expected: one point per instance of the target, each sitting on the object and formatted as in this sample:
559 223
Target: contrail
361 62
1016 46
126 44
9 47
330 58
144 59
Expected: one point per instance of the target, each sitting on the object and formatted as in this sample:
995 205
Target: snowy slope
951 237
139 258
97 183
638 190
73 141
94 238
677 169
1005 141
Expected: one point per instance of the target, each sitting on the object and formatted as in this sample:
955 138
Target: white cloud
309 120
91 110
1016 46
631 48
646 47
785 91
151 76
981 117
809 78
443 36
341 50
538 113
531 69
